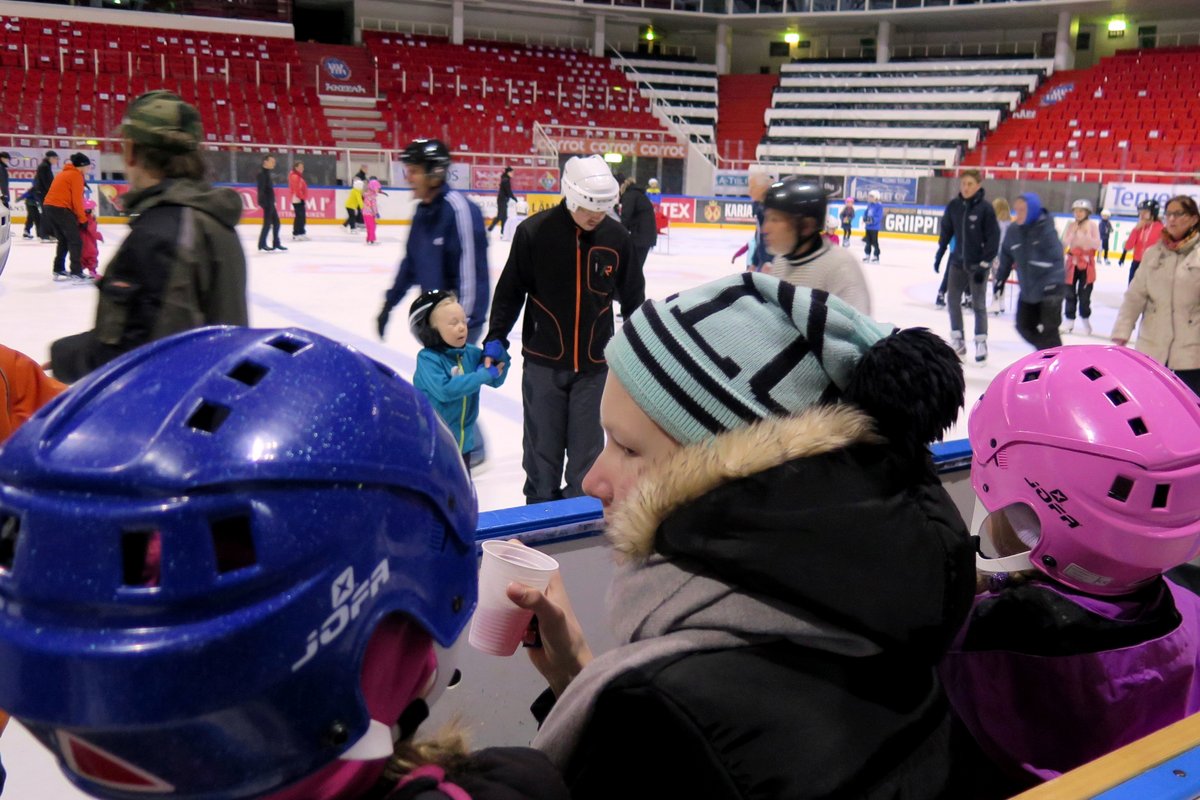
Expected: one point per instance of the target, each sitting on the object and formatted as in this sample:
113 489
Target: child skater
451 372
1081 239
1106 230
1146 233
90 254
354 206
831 230
370 207
1077 644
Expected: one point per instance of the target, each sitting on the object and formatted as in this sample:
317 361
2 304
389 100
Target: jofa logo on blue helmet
347 598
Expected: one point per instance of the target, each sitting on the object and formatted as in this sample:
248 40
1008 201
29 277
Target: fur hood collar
696 470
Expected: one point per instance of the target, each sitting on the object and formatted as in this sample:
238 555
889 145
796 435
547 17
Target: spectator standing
1081 240
794 218
266 201
872 224
361 175
847 219
65 216
1106 231
42 180
970 221
1003 219
1146 233
4 159
503 195
652 188
447 243
637 215
1031 245
1164 298
757 184
181 266
566 266
298 196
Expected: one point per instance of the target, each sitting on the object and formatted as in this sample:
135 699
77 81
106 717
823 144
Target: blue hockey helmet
200 543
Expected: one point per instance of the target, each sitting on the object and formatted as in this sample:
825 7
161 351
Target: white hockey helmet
1106 213
1086 205
873 194
5 232
652 182
588 183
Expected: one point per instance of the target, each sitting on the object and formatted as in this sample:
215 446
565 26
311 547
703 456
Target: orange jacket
24 388
67 192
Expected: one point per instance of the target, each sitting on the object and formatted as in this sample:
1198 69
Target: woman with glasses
1165 295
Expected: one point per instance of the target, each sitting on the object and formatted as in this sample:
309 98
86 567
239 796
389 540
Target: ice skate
940 302
1085 326
981 351
958 343
997 304
1069 327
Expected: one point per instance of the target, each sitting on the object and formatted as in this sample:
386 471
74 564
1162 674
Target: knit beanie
750 346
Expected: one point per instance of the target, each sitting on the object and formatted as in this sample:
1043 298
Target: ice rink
334 284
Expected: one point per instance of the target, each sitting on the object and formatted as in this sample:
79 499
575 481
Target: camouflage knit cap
163 120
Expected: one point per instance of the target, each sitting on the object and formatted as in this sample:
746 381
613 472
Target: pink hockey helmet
1102 445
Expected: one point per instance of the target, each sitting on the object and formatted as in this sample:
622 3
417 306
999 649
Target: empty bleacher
1131 112
914 114
485 97
685 92
75 79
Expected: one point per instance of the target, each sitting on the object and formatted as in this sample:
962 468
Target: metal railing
673 122
403 26
659 49
526 38
1074 174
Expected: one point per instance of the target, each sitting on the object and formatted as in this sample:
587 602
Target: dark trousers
1103 248
63 225
33 218
352 218
1133 265
562 416
1191 377
640 252
270 225
300 220
1079 291
846 234
1037 322
872 241
501 218
945 283
960 279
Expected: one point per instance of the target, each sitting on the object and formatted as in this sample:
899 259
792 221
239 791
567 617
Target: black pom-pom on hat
912 383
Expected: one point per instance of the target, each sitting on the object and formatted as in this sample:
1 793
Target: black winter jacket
180 267
637 215
266 189
570 277
42 180
857 536
505 193
1037 253
973 226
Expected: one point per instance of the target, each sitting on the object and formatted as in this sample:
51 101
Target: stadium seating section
1133 111
485 96
684 92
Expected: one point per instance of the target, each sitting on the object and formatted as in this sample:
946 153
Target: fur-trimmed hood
817 511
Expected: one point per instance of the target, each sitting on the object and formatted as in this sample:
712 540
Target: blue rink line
494 402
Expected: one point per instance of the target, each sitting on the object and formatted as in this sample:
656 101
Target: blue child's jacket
451 379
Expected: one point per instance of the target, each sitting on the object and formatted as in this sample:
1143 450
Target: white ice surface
334 284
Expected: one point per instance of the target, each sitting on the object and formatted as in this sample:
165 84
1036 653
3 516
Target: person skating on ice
872 225
1031 246
1081 241
847 220
504 194
1106 232
970 221
266 201
1146 233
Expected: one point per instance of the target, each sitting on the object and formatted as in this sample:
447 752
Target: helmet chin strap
802 246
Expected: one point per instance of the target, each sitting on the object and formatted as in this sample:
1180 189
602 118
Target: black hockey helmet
419 315
431 154
1151 205
798 197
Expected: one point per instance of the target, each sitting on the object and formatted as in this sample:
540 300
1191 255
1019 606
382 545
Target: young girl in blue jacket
451 372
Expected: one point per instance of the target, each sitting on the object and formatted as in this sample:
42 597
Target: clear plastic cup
499 624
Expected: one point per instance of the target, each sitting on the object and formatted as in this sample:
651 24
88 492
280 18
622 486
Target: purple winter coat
1037 713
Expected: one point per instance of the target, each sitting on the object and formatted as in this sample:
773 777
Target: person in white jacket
1165 296
1081 240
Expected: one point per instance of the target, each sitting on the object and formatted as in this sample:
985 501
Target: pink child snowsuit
371 207
90 255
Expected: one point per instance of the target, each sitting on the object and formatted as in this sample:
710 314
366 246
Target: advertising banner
891 190
732 181
679 209
924 220
601 146
338 78
23 161
834 185
524 179
321 204
536 202
1123 198
724 212
459 178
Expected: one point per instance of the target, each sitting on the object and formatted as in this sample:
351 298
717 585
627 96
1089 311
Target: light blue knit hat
737 350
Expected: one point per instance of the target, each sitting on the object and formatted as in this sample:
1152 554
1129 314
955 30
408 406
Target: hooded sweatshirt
761 608
450 377
1034 249
180 267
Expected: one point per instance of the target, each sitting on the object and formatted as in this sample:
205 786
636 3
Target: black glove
937 265
981 272
1121 260
382 320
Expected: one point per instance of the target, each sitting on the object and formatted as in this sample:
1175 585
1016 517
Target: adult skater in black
503 195
266 201
36 194
637 215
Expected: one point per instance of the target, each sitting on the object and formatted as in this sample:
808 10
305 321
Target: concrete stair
354 120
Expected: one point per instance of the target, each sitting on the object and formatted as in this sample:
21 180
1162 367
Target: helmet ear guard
588 183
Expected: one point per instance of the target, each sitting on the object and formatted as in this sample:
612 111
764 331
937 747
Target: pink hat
88 205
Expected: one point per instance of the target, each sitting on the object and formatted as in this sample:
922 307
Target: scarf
658 610
1183 245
